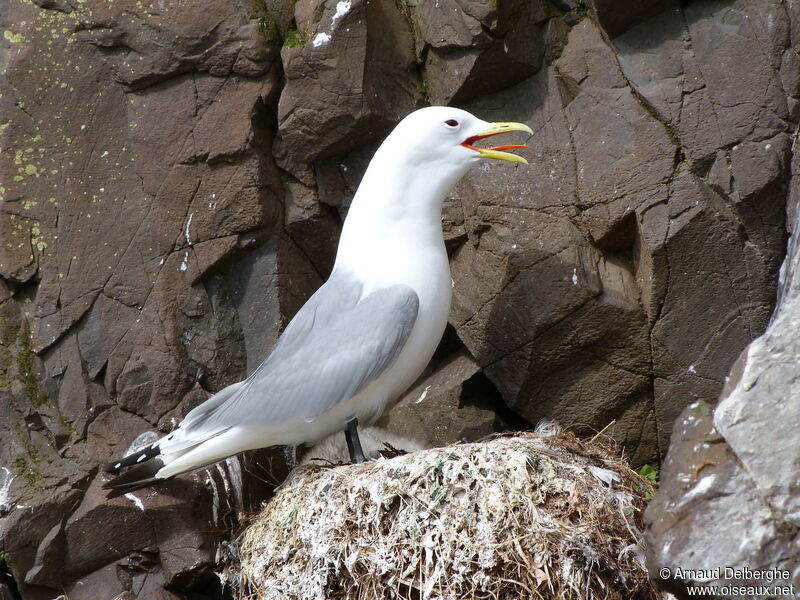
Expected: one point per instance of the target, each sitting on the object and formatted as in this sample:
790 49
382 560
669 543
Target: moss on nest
541 515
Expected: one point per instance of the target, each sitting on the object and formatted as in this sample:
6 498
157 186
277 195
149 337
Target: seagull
365 336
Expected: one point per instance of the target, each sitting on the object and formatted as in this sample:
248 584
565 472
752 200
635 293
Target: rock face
172 185
650 227
728 497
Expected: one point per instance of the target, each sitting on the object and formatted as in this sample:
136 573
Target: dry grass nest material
538 515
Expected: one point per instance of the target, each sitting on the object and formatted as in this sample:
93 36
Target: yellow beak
498 151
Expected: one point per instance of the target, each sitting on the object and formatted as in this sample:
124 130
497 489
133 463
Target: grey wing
332 349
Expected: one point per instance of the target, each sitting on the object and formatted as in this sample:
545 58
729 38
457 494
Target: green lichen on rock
14 37
270 29
28 471
28 463
267 24
26 368
9 329
37 240
295 38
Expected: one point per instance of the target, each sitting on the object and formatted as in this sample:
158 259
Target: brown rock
525 338
104 327
621 154
312 225
474 48
696 341
18 262
616 18
49 559
175 40
79 398
349 81
106 581
33 542
683 80
634 214
439 410
151 530
114 189
101 531
263 305
230 104
724 499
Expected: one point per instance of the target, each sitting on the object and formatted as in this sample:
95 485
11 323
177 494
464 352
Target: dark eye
451 123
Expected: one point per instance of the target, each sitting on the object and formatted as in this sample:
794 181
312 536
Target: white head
401 194
442 139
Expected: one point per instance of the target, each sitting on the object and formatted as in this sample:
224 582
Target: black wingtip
137 478
137 458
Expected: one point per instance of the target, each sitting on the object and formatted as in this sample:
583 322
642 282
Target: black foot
353 443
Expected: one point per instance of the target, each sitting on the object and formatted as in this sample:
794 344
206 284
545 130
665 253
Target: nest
539 515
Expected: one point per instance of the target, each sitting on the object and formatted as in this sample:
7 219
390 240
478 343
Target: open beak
498 152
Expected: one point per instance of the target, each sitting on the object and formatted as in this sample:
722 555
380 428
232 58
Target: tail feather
136 478
178 452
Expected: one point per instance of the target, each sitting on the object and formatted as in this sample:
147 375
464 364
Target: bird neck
396 210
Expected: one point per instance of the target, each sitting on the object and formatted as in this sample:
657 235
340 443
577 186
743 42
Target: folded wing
335 345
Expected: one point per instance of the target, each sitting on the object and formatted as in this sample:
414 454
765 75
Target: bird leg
353 443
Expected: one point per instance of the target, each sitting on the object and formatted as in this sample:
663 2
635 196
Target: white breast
430 278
